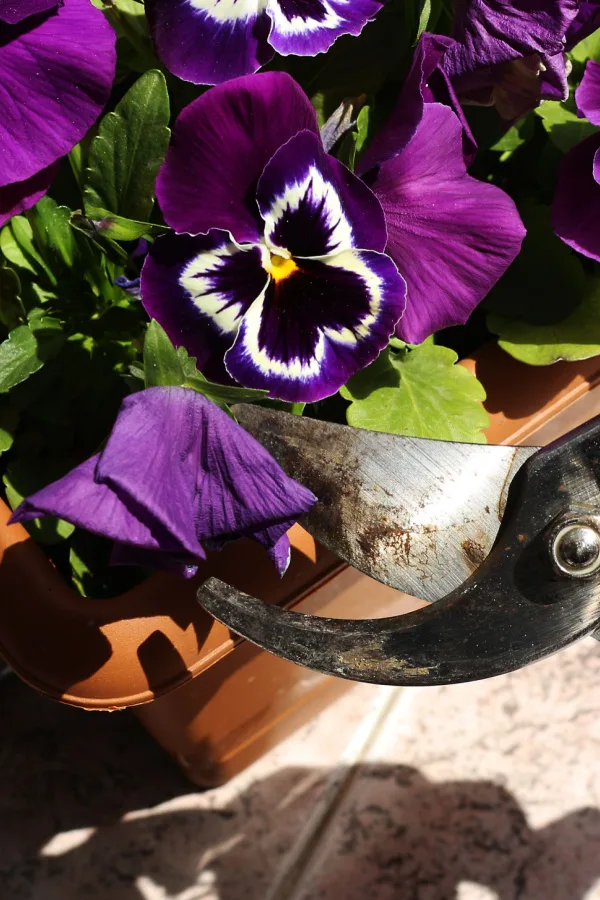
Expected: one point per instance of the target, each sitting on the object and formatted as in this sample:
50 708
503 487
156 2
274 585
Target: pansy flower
176 473
211 41
57 62
577 198
278 272
282 274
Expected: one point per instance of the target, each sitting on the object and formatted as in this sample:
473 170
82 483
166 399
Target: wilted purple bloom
577 198
282 273
510 53
176 473
57 62
211 41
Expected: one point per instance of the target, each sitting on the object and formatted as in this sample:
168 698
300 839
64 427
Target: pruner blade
516 607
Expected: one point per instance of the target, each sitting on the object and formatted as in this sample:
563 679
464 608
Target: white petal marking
296 369
298 24
199 277
322 192
230 10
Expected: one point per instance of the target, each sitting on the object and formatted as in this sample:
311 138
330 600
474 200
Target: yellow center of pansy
280 267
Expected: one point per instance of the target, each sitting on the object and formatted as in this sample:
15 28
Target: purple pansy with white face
282 275
212 41
577 197
176 473
57 63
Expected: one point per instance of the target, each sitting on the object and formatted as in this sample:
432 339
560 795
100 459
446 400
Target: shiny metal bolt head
576 550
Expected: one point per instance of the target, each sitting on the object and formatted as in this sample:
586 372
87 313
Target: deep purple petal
79 499
56 78
198 288
13 11
21 195
493 31
587 95
210 41
221 144
280 552
312 330
314 206
584 24
308 27
241 491
577 198
426 82
451 236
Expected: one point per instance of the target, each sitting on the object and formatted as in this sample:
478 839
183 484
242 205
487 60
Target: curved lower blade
419 515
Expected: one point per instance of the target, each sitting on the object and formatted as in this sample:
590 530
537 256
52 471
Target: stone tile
472 792
91 807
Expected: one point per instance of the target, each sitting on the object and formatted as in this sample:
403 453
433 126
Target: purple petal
210 41
56 78
577 198
585 23
13 11
280 553
241 491
302 349
221 144
587 95
308 27
80 499
426 82
451 236
493 31
314 206
198 288
21 195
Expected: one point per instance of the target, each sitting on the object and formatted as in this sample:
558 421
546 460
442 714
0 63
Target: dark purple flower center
303 9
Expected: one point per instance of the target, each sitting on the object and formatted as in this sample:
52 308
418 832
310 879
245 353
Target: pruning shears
503 541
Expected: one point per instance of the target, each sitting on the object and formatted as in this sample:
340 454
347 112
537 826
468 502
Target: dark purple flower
276 281
176 473
211 41
282 274
577 197
57 62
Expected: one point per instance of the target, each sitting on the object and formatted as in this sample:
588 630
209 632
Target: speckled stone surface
489 791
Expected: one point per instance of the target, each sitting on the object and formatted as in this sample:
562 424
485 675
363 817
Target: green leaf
575 337
162 364
424 17
515 137
25 478
118 228
421 393
9 421
564 126
587 49
128 151
18 246
27 348
12 311
545 281
224 393
55 230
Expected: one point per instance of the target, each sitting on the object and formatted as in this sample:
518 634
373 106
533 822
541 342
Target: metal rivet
576 550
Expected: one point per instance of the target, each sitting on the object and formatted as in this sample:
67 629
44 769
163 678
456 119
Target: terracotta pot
141 646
